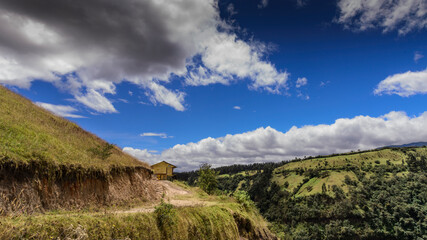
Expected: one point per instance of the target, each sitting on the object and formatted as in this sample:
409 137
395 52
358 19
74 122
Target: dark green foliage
324 190
102 152
207 178
383 201
417 164
229 184
244 199
166 218
349 181
191 177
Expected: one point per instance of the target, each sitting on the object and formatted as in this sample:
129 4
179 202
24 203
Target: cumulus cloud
86 48
237 107
142 154
227 58
401 15
268 144
151 134
60 110
404 84
301 82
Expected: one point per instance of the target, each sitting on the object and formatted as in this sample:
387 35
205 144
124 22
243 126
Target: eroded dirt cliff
38 186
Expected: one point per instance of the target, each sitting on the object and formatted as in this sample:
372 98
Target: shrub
243 198
102 152
165 217
207 178
324 190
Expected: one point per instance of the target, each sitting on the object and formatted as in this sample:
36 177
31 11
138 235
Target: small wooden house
163 170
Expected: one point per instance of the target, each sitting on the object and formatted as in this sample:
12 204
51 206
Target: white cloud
143 155
322 83
151 134
230 9
60 110
401 15
303 96
301 82
237 107
150 44
404 84
227 58
263 4
96 101
301 3
417 56
268 144
123 100
162 95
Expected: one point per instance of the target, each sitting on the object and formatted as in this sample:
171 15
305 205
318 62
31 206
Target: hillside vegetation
47 162
28 132
58 181
377 194
205 217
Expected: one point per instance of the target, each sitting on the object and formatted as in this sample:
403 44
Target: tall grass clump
166 218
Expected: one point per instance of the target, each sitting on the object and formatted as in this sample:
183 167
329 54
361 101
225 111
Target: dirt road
173 194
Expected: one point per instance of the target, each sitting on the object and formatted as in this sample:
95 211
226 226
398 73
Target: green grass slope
377 194
306 177
209 217
28 132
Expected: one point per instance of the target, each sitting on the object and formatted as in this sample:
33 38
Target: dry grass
220 220
28 132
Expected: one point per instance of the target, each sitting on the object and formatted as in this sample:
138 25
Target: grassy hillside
28 132
306 177
205 217
57 181
377 194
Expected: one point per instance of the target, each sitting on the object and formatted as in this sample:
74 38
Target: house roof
164 162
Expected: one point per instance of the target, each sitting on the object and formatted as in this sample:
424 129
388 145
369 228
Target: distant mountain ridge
414 144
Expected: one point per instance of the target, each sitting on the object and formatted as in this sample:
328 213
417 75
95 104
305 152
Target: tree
102 152
324 190
207 178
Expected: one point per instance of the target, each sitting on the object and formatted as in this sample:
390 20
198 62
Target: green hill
376 194
29 132
306 177
58 181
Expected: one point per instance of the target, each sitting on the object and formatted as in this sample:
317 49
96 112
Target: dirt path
173 194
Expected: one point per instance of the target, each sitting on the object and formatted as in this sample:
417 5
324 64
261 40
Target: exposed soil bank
40 185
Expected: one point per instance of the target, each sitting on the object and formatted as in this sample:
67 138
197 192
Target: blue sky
344 74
